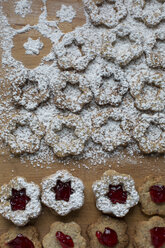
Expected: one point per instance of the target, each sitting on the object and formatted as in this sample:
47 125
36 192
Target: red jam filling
65 240
20 242
157 193
116 194
19 199
158 236
108 238
63 190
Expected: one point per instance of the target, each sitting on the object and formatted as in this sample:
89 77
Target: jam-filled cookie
108 232
115 193
152 195
62 192
64 235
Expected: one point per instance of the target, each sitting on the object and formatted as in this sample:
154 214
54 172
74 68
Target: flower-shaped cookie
148 89
115 193
67 135
154 51
150 133
20 201
150 233
23 133
106 12
128 49
26 237
111 86
30 90
64 235
150 14
72 100
152 195
62 192
110 130
74 51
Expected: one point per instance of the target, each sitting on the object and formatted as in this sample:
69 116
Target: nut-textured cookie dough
29 232
101 189
119 226
72 229
149 207
32 207
142 238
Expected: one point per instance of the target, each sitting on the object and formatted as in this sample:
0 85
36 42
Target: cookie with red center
108 232
115 193
64 235
26 237
150 234
62 192
152 195
20 201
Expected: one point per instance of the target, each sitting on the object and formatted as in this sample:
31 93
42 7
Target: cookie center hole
150 92
160 47
74 50
122 45
109 84
106 8
153 133
72 92
151 5
111 127
22 134
30 88
66 135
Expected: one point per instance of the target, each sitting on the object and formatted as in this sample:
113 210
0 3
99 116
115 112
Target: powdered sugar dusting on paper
66 13
23 7
33 47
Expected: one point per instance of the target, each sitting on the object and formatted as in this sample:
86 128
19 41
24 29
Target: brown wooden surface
136 167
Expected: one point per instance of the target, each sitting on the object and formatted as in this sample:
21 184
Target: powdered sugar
23 7
66 13
33 47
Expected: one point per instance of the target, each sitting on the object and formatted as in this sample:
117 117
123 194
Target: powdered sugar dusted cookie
19 201
105 12
108 232
122 45
62 192
64 235
152 195
68 98
23 133
115 193
151 13
110 130
20 237
150 133
154 49
67 135
147 87
150 234
74 51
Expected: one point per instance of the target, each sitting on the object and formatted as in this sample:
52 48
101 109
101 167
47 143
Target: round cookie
152 195
62 234
108 231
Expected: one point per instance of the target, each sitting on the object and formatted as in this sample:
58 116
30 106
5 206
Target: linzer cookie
23 133
152 195
26 237
105 12
108 232
62 192
20 201
73 138
150 132
71 100
64 235
150 234
115 193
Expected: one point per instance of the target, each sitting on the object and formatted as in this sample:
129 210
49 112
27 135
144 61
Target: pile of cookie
115 193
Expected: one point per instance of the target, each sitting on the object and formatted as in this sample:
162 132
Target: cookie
108 232
23 133
20 201
122 45
149 132
105 12
147 87
74 134
115 193
150 234
64 235
152 195
71 100
62 192
26 237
